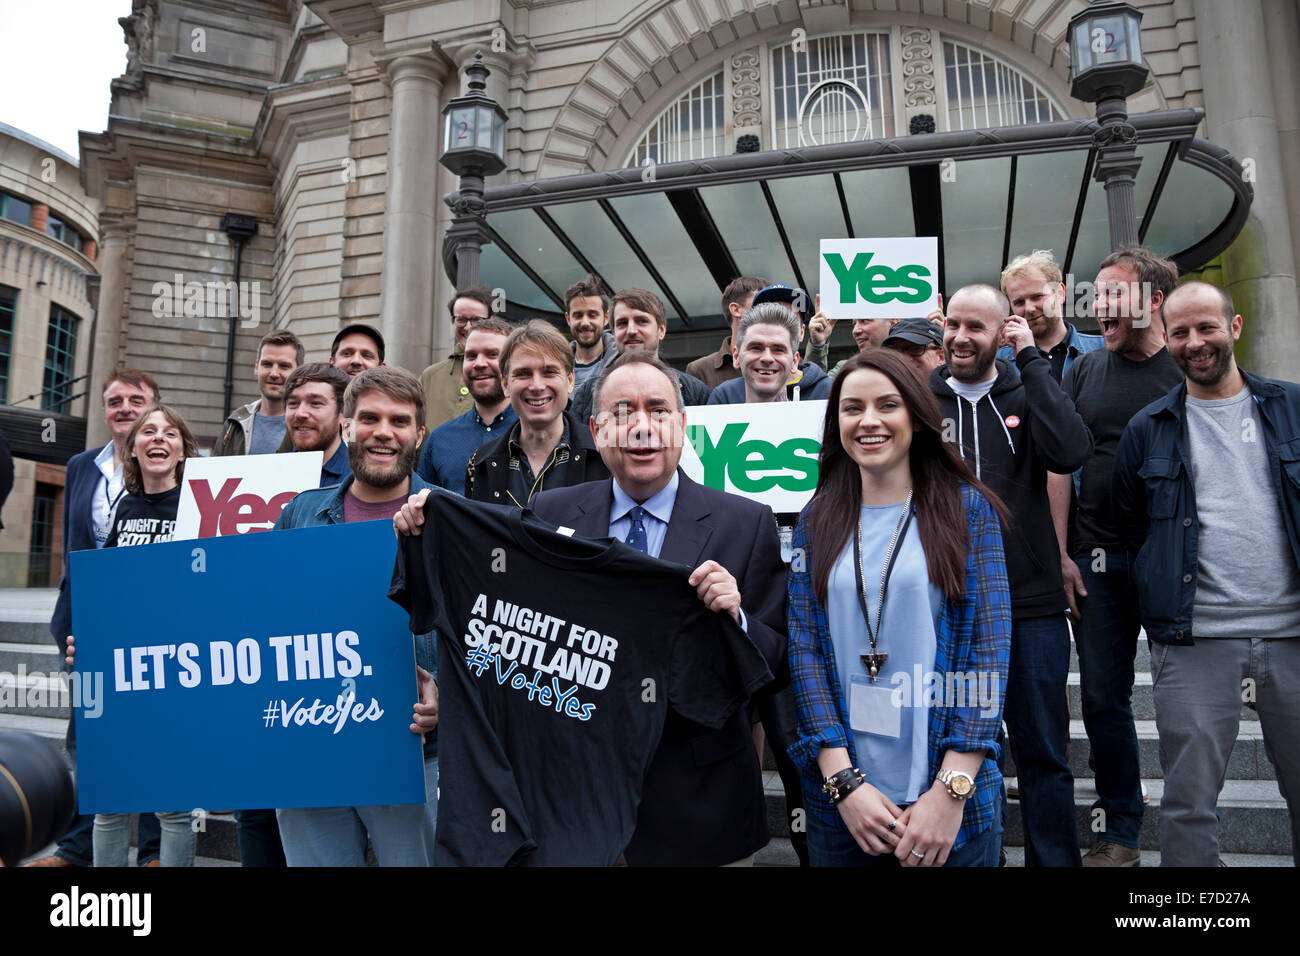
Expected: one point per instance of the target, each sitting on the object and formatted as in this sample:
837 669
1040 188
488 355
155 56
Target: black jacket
702 803
1023 428
1154 498
488 474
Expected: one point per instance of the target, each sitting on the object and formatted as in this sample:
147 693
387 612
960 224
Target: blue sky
56 60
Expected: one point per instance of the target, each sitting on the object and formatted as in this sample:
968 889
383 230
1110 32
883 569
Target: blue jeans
835 846
111 838
1106 640
1039 724
402 834
77 844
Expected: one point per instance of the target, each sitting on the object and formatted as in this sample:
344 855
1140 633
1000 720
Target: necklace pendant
873 663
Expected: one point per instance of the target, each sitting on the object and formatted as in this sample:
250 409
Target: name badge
872 709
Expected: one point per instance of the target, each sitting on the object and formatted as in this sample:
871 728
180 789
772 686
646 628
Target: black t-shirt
1108 390
558 659
144 519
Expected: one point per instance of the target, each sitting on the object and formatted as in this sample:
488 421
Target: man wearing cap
920 341
1012 429
446 396
356 348
720 366
640 322
766 351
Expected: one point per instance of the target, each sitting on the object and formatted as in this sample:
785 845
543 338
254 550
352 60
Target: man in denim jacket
383 410
1207 491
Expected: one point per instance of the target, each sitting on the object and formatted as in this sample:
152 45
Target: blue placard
213 655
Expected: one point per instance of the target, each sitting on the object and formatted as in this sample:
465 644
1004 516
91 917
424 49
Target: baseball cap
915 331
362 329
780 292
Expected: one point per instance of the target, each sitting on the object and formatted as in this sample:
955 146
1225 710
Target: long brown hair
937 474
131 478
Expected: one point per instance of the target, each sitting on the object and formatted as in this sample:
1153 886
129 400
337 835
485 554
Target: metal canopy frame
921 154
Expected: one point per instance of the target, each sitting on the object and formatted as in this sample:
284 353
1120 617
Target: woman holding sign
900 629
156 449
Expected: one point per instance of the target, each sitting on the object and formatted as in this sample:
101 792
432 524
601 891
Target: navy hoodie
1023 428
814 384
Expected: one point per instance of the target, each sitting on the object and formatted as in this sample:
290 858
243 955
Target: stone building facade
322 119
48 249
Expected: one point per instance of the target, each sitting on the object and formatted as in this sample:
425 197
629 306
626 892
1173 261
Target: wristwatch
960 785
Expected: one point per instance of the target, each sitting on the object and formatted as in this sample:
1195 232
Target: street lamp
473 147
1106 68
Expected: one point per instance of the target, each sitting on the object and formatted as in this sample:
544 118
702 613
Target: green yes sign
755 464
878 278
765 452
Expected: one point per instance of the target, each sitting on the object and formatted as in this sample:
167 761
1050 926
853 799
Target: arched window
984 91
831 89
692 128
848 87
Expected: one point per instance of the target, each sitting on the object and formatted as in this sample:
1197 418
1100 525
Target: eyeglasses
915 350
467 319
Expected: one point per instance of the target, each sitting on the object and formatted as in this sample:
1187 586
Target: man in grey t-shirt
1212 507
258 427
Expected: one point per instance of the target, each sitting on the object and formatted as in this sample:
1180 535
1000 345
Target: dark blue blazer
79 484
702 801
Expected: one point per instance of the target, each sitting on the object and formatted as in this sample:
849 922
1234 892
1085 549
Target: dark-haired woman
155 453
900 629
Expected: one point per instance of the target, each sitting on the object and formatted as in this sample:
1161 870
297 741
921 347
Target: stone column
1240 114
410 254
113 235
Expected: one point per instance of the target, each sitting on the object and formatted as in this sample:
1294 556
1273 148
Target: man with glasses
445 394
920 341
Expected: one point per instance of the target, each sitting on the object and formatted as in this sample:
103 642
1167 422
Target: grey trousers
1199 692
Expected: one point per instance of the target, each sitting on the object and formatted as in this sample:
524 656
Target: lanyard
111 503
874 661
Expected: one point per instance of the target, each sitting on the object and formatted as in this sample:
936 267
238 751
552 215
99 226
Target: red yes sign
228 513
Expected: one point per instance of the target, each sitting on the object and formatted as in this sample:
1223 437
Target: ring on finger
919 856
890 826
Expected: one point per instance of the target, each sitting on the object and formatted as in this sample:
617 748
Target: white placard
879 278
236 494
767 452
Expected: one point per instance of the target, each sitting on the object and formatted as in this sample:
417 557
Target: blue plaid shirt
974 635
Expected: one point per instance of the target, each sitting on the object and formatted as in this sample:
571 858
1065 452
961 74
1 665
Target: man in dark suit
702 802
92 485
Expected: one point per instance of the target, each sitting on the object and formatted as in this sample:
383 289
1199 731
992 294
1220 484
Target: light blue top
660 511
897 767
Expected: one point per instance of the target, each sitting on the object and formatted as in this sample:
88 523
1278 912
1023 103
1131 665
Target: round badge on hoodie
1012 421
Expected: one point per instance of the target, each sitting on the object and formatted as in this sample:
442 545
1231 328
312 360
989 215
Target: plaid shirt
974 636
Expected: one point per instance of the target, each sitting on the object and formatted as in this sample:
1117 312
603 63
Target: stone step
34 657
1247 761
778 852
36 694
26 632
52 727
1253 816
1141 659
1151 858
1144 707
